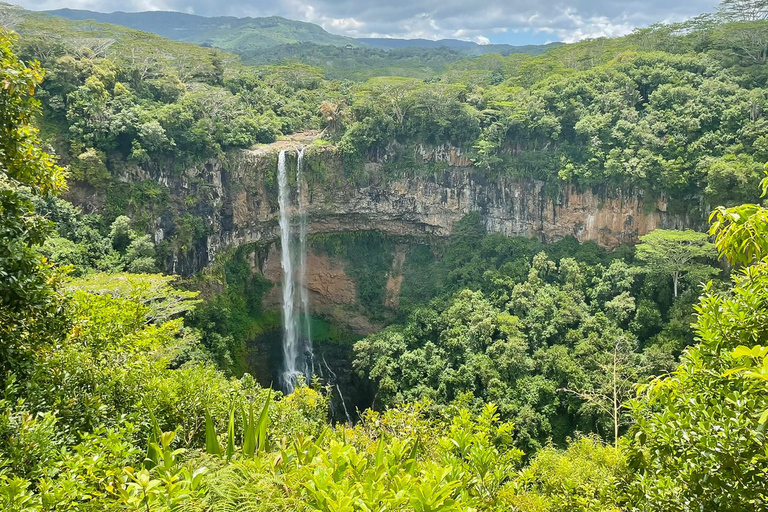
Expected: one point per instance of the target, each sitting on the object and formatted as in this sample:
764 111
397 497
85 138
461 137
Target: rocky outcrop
245 210
236 199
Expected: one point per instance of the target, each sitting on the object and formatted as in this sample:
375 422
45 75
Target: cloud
345 24
483 21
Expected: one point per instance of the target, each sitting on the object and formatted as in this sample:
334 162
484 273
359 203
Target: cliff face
243 209
236 200
333 293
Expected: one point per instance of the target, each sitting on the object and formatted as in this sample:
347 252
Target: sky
482 21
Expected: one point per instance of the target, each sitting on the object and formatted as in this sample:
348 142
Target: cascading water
306 331
290 339
297 343
298 357
332 378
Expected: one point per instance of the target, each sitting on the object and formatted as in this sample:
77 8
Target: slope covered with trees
674 109
248 35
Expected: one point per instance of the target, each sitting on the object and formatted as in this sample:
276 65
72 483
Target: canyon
235 197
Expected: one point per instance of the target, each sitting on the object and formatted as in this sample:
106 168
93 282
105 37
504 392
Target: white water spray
290 339
306 330
298 360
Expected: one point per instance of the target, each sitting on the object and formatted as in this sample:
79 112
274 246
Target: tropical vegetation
515 375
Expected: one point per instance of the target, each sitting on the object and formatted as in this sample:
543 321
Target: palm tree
332 113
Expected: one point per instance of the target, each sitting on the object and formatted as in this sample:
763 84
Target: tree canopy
678 254
28 304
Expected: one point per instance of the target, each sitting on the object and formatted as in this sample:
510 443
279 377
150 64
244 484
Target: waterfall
298 360
298 356
306 328
338 389
290 340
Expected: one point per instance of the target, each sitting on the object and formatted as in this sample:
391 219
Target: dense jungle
309 272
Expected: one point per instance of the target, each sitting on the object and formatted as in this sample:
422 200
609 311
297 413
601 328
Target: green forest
515 373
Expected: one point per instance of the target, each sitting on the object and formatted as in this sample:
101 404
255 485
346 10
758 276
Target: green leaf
231 433
263 424
212 446
380 453
154 453
249 439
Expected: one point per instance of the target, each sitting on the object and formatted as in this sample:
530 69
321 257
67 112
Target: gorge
346 279
317 196
235 200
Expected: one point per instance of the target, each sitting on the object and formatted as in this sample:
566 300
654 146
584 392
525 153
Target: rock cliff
241 206
235 198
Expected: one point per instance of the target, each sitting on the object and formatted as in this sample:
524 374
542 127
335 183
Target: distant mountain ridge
455 44
225 32
243 35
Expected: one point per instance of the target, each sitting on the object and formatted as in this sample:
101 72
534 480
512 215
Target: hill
225 32
464 47
246 35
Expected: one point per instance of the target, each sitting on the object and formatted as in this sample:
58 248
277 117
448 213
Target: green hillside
47 37
465 47
247 35
192 47
225 32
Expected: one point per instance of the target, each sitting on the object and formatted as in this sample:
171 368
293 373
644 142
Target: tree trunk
615 400
675 279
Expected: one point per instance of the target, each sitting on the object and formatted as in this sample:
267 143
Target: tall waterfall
290 340
306 330
297 344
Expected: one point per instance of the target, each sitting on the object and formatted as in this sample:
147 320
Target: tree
699 440
744 10
120 233
677 254
615 373
740 231
396 92
22 158
28 303
332 114
747 40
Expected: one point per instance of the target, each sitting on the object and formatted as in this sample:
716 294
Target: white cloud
343 25
475 20
596 26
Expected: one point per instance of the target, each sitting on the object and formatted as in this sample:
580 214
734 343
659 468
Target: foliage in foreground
700 437
28 305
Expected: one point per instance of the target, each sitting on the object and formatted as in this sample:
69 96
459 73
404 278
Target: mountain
225 32
467 47
246 35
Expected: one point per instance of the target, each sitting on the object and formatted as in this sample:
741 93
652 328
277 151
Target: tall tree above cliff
678 254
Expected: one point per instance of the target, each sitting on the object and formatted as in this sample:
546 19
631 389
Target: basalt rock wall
427 204
236 199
